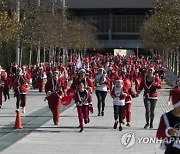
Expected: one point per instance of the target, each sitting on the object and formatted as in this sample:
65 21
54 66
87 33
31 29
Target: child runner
118 94
83 100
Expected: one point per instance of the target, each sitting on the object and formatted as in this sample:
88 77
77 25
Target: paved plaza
40 136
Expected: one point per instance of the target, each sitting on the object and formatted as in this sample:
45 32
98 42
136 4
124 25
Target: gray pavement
170 77
40 136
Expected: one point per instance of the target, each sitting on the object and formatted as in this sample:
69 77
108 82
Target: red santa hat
14 63
24 67
175 95
102 69
56 71
82 71
19 69
119 80
152 68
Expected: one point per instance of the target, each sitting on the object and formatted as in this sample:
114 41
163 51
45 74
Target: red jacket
7 82
2 78
56 90
87 101
88 83
175 96
131 94
167 121
40 74
151 91
20 84
27 76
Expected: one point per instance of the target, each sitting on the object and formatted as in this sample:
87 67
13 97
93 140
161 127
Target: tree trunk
21 53
53 56
44 56
59 57
172 59
30 56
168 60
174 62
178 62
38 52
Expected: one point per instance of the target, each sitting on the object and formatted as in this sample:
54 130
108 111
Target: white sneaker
23 110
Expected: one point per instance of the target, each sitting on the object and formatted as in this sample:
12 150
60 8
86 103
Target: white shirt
117 101
102 79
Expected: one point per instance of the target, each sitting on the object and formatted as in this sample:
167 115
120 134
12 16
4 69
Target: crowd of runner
80 78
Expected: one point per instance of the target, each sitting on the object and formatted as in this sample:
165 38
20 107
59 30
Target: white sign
123 52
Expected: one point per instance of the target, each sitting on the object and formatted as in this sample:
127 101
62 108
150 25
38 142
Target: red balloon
66 100
71 93
127 84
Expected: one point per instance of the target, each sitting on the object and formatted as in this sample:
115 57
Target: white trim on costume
176 105
153 97
166 131
128 102
151 83
85 101
166 120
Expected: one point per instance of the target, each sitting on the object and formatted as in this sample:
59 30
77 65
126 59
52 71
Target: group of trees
161 31
46 27
8 29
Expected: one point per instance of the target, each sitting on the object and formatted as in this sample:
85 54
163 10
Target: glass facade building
117 21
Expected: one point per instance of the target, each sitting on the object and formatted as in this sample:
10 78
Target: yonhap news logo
128 139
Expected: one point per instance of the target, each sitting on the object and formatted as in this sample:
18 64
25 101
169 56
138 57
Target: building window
120 23
127 23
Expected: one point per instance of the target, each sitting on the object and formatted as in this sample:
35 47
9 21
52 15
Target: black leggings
150 105
6 93
172 150
18 98
118 112
101 96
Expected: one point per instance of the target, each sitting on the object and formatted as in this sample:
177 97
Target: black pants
172 150
18 98
101 96
118 112
6 93
150 105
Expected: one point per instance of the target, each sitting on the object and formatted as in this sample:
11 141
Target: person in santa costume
83 100
127 108
25 73
40 78
20 86
54 90
137 77
81 78
85 80
2 80
118 94
49 70
101 84
169 126
7 84
150 83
